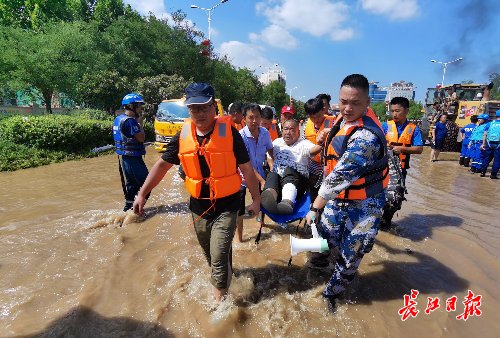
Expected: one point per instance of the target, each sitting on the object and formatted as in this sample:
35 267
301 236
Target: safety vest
273 131
477 133
376 177
311 133
224 179
403 140
124 145
494 132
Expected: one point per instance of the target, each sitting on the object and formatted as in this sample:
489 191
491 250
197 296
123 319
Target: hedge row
30 141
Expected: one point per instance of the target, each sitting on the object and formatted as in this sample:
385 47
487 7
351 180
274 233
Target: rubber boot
483 173
494 177
466 162
461 161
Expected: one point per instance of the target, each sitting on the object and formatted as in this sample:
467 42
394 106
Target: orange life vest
376 177
224 178
273 131
311 133
403 140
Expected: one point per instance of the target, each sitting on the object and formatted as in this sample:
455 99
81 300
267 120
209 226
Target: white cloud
314 17
276 36
244 54
394 9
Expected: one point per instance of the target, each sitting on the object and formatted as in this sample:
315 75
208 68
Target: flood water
72 264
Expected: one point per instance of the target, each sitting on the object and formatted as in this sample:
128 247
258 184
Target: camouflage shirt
363 149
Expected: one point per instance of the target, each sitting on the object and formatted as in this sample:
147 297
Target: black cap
199 93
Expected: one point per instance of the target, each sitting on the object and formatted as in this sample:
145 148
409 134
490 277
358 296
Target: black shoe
128 206
461 161
483 174
331 303
268 200
285 207
467 162
494 177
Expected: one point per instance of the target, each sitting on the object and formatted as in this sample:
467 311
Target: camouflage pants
351 227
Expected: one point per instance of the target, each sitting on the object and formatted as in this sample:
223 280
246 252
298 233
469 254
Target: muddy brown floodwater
73 265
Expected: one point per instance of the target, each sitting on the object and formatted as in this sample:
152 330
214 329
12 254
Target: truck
170 118
459 102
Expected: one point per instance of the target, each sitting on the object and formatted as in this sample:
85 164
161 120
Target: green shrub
56 132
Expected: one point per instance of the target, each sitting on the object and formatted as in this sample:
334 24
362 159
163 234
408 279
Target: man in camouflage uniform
352 224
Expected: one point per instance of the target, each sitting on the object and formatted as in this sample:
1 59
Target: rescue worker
267 121
404 138
476 139
491 148
211 152
466 134
128 134
353 192
325 98
235 110
318 120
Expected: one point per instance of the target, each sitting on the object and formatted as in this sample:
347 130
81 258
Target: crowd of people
341 161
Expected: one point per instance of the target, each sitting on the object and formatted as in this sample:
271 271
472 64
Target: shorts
438 145
243 194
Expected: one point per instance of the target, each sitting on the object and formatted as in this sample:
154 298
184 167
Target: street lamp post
209 13
445 64
291 93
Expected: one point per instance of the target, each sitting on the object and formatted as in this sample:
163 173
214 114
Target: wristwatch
314 209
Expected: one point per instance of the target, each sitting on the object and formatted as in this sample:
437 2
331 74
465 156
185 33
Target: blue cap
497 113
484 117
132 98
199 93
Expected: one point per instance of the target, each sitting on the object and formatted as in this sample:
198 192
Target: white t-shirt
295 156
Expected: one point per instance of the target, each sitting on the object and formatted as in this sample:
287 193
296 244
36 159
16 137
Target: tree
49 61
380 110
274 94
495 91
102 89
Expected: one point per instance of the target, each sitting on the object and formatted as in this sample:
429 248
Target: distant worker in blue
353 192
476 140
129 136
466 134
491 148
438 133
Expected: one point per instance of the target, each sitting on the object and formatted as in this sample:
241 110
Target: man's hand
311 217
398 149
483 146
322 135
139 203
254 208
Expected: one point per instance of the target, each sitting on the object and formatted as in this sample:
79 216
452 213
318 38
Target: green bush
56 132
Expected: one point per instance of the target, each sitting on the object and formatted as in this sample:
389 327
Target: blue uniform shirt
130 127
467 131
478 132
440 130
416 138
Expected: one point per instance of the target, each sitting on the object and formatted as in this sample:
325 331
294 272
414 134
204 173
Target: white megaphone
315 244
298 245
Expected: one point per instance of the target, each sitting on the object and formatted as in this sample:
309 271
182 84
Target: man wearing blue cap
211 151
491 148
475 142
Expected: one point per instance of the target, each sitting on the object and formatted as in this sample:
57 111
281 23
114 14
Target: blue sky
318 42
